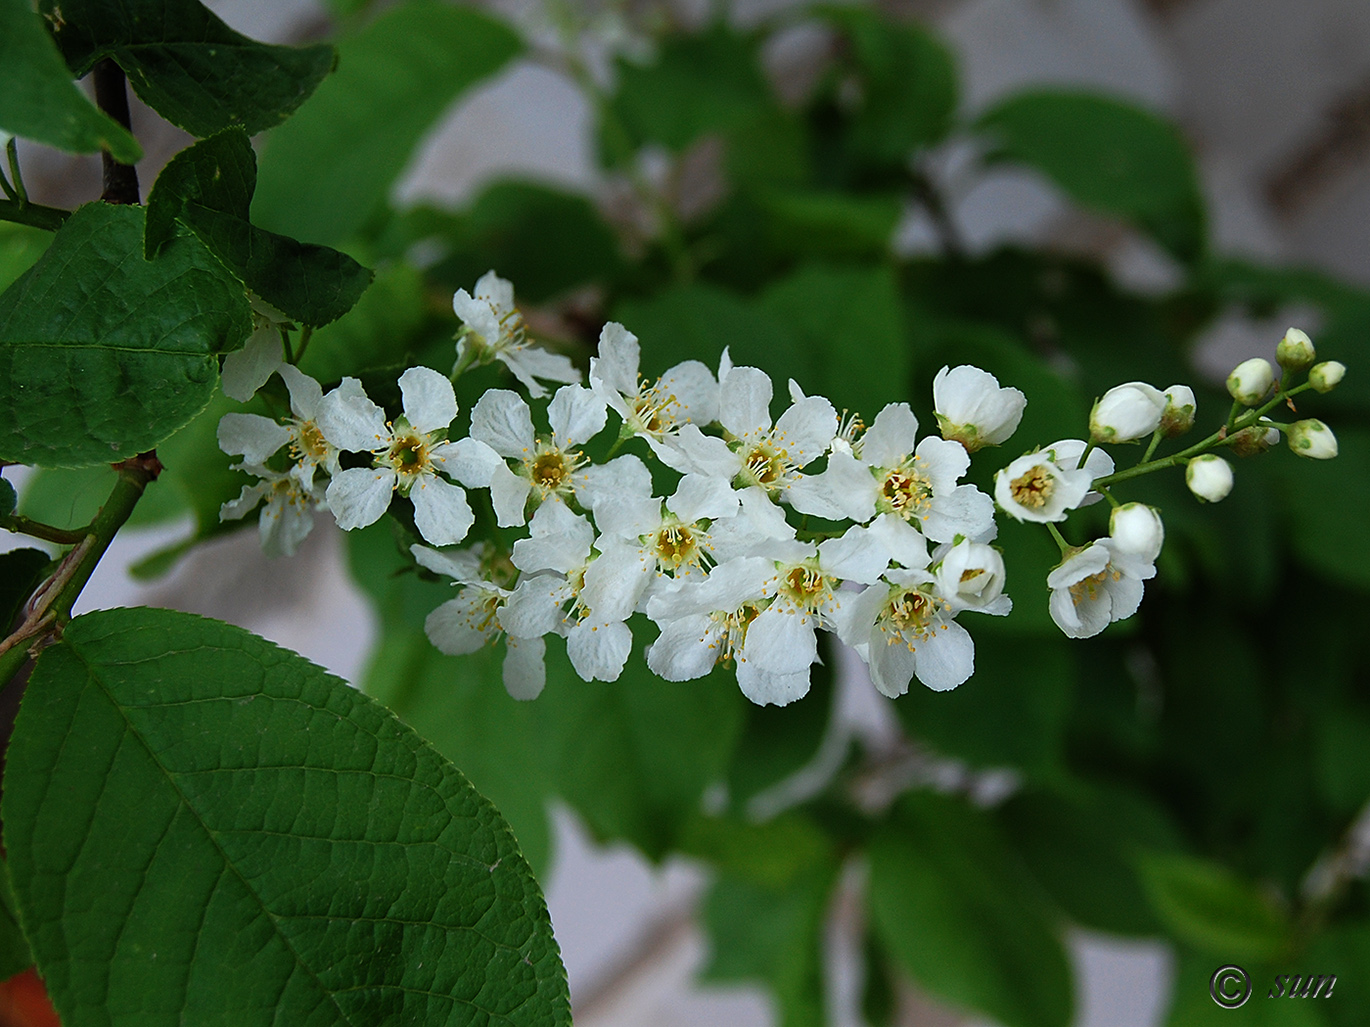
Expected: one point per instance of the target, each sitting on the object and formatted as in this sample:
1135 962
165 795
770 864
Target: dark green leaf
244 839
8 498
104 354
773 853
776 741
852 324
208 187
323 175
1109 155
382 330
41 101
1345 951
186 64
955 910
832 224
1209 906
14 950
1192 1002
1343 770
20 572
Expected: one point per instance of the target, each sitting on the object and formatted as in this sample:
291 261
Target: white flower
553 468
1136 528
1250 381
1043 486
1180 407
1209 477
1126 412
903 628
471 620
1313 439
891 476
685 394
246 370
972 409
1095 586
1295 351
753 454
1324 377
408 456
494 331
288 515
257 438
970 576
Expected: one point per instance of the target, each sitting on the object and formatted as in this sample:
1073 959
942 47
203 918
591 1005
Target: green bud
1295 351
1313 439
1325 376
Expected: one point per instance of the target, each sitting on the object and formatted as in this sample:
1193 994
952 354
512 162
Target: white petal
469 460
745 401
806 429
502 421
525 670
532 362
699 497
904 543
459 626
599 651
619 357
509 494
686 649
942 461
251 436
430 402
625 477
781 642
704 454
576 414
305 392
534 608
963 511
946 658
246 370
350 421
247 500
695 392
441 512
285 521
858 555
463 565
891 438
359 495
892 664
615 581
768 688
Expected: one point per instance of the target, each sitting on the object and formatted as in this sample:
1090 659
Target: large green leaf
205 828
14 950
1109 155
186 64
956 911
41 101
104 354
208 187
1212 908
326 172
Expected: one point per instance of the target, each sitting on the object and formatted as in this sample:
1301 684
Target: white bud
1209 477
1250 381
1126 412
1180 407
1136 528
1295 351
1325 376
1313 439
973 409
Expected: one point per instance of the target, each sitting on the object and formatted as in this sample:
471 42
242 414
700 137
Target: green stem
37 529
1237 407
32 214
1089 448
306 333
1151 446
1060 539
464 363
50 608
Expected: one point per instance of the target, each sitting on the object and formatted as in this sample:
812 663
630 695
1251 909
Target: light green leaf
1211 907
832 224
41 101
955 910
20 248
104 354
323 175
208 187
186 64
1109 155
205 828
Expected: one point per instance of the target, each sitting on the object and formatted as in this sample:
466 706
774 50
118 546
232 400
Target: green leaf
831 224
20 248
206 828
382 330
852 324
956 911
104 354
776 741
323 175
208 187
1109 155
41 101
1345 951
773 853
186 64
1326 503
8 498
1209 906
14 950
1192 1002
21 570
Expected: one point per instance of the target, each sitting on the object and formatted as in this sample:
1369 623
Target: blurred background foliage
1194 774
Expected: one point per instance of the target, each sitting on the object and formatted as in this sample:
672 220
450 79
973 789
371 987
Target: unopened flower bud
1250 381
1180 406
973 409
1313 439
1325 376
1295 351
1253 441
1126 412
1136 528
1209 477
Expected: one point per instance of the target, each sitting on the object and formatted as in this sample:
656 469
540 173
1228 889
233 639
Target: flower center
551 468
1033 489
806 587
1090 587
309 443
676 545
734 630
905 491
910 612
649 410
408 455
764 465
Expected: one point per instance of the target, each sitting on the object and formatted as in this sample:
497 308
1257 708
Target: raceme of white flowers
717 564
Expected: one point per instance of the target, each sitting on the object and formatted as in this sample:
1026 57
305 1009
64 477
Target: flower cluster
713 559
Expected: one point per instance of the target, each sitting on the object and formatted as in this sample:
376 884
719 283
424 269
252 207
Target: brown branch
111 95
